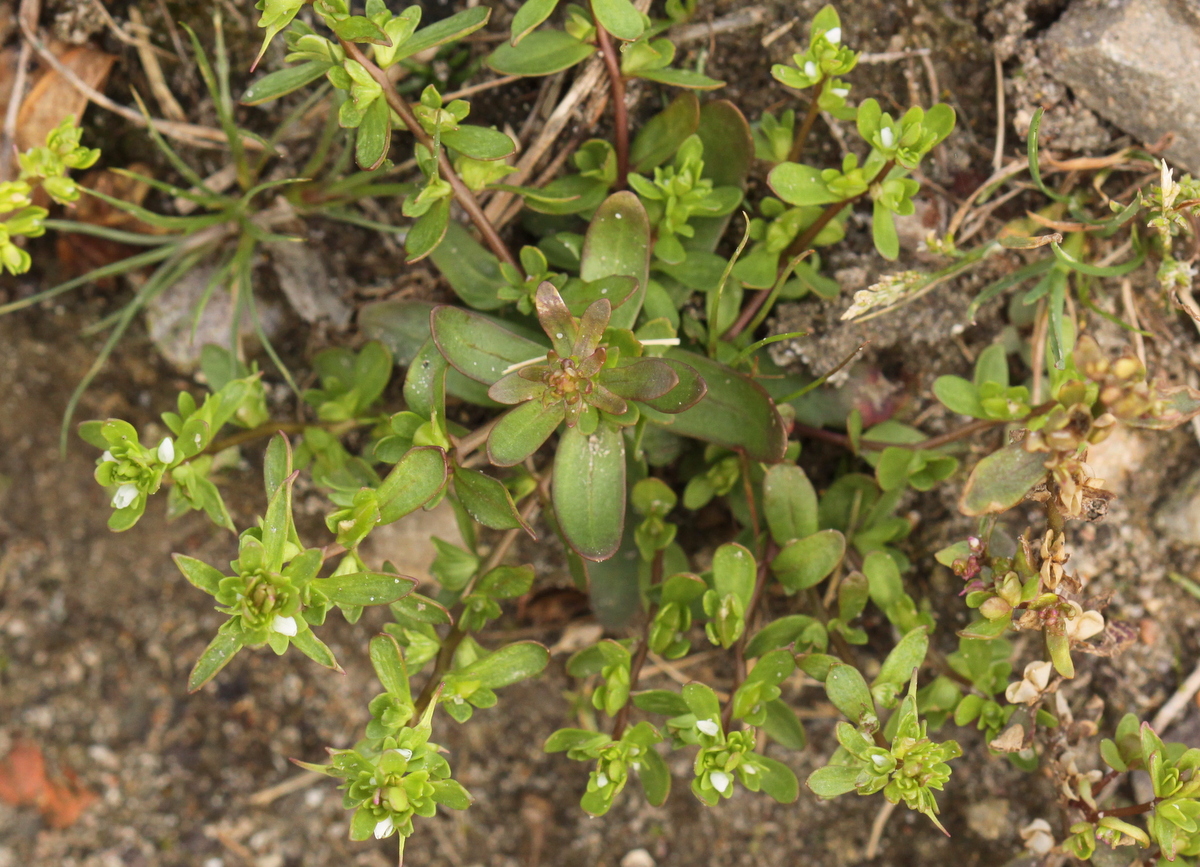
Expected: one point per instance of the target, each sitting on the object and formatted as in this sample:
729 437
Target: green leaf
277 463
784 631
529 16
689 390
806 562
883 231
589 490
477 347
655 776
521 431
907 655
617 243
618 17
450 793
734 572
508 665
735 412
479 142
799 184
472 271
661 701
365 588
570 739
679 78
277 526
642 379
958 395
388 662
832 780
427 232
702 701
224 646
893 467
315 649
415 480
543 52
199 573
849 693
357 28
447 30
374 136
420 608
284 81
783 726
790 503
488 501
992 366
777 779
1001 480
506 582
661 136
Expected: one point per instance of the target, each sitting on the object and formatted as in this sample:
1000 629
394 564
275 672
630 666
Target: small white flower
384 828
166 450
834 35
285 626
810 69
887 137
1033 683
841 91
720 781
406 753
1170 189
708 727
124 496
106 457
750 769
601 780
879 760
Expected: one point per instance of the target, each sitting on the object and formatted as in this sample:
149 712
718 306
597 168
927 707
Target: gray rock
1137 63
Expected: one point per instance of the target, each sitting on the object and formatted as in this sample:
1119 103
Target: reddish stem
620 114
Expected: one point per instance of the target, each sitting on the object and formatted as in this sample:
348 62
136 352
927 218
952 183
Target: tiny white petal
284 625
124 496
879 760
601 780
1021 691
406 753
886 136
719 780
708 727
107 456
750 769
384 828
834 35
166 450
841 91
1038 673
810 69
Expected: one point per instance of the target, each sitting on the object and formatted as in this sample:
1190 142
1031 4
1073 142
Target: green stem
806 126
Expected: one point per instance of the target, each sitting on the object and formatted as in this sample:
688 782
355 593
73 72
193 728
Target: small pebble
637 858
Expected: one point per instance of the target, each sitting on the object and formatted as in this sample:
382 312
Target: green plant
623 334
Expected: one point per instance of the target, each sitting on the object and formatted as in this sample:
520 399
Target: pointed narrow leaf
521 431
365 588
374 136
224 646
655 776
488 501
477 347
277 525
472 270
315 649
556 320
284 81
529 16
414 481
447 30
618 243
199 573
589 490
907 655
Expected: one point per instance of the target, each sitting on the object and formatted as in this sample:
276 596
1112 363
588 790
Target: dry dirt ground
97 632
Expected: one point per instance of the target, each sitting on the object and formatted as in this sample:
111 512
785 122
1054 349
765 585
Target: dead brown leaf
78 254
24 783
53 98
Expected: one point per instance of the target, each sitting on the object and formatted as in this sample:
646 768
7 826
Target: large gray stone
1137 63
